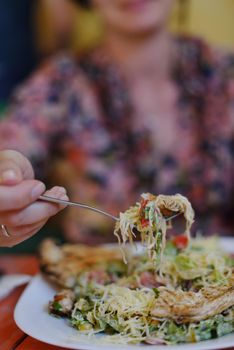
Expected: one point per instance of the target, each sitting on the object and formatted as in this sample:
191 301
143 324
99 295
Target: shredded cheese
153 226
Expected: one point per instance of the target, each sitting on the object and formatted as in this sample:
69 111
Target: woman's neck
142 56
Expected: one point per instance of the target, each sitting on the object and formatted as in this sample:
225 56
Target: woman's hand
20 211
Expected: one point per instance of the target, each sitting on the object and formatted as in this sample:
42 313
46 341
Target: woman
146 111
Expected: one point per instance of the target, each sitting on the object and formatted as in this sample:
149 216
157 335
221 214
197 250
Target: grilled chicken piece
184 307
62 264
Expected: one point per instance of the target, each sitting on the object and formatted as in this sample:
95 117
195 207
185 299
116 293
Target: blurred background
31 30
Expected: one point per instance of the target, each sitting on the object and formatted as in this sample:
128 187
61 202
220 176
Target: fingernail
8 175
62 191
38 190
64 197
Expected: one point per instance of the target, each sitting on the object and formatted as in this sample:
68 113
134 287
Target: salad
184 292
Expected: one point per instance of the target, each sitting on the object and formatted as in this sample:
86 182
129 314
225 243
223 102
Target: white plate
32 317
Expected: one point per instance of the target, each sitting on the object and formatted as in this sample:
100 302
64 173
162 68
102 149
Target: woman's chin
139 29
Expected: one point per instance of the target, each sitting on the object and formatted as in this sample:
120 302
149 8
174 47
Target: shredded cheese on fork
147 219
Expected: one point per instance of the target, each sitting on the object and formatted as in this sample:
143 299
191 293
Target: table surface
11 337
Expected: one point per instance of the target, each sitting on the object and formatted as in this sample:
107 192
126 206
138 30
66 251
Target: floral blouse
75 120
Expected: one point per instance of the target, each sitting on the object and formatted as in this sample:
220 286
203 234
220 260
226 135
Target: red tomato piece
144 222
143 203
180 241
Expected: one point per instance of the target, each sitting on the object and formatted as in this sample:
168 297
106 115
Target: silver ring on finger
5 231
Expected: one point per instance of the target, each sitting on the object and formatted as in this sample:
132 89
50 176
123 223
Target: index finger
21 195
14 167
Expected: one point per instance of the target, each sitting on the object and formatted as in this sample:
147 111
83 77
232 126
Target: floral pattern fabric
75 120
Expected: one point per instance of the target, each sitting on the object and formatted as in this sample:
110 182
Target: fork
85 206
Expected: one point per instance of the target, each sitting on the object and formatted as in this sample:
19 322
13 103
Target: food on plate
191 300
149 219
171 291
63 264
185 306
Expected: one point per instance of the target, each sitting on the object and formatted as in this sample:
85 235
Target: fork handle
76 204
